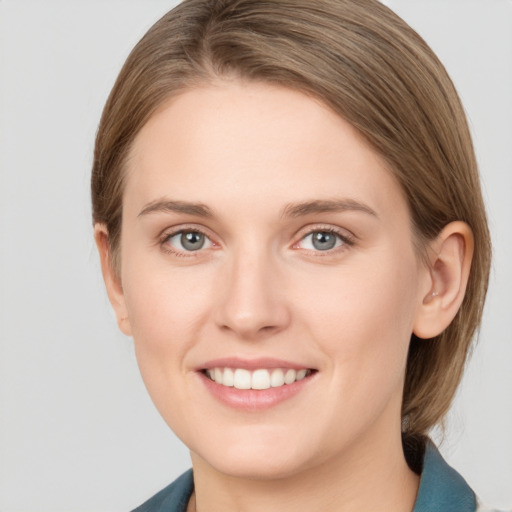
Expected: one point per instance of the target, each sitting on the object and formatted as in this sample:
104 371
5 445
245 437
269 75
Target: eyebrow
300 209
165 205
323 206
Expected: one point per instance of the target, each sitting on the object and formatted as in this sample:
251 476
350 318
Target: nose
252 301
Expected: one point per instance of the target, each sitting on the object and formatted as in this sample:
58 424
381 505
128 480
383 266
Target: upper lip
252 364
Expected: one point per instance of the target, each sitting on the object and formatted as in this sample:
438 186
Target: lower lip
254 399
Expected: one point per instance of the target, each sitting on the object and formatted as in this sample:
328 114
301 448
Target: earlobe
111 278
449 266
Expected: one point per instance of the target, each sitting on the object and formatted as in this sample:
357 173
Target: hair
373 70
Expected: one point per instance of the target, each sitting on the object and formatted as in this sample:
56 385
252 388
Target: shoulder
173 498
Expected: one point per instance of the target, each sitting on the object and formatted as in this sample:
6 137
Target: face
269 279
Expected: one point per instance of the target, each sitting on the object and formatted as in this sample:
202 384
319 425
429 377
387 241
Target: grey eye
189 241
192 240
323 240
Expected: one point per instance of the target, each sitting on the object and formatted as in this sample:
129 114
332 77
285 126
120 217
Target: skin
249 153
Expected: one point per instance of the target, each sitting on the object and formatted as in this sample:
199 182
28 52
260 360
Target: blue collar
442 489
174 498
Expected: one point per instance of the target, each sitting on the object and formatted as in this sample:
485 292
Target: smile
259 379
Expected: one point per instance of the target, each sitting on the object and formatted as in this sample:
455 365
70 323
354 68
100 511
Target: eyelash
347 240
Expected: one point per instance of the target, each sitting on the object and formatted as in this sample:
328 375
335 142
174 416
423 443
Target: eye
322 240
188 241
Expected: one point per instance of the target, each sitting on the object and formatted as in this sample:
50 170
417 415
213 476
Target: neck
370 476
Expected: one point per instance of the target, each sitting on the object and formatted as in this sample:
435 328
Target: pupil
192 241
323 240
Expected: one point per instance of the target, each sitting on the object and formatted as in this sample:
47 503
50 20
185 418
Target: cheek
362 322
363 316
167 312
166 308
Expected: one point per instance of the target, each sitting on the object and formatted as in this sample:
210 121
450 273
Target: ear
450 256
111 278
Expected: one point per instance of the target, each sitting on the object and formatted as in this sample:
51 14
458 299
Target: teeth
290 376
260 379
301 374
242 379
257 379
228 378
277 378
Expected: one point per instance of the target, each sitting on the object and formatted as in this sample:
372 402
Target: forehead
254 142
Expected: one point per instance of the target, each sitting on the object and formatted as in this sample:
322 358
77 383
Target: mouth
257 379
252 385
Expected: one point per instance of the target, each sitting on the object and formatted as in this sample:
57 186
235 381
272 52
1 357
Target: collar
174 498
441 487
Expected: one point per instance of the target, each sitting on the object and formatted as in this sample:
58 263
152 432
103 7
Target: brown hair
371 68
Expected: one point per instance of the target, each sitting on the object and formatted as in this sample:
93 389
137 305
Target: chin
257 468
257 459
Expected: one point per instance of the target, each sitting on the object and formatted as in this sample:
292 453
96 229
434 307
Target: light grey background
77 431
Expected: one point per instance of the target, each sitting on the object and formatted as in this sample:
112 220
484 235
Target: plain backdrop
77 429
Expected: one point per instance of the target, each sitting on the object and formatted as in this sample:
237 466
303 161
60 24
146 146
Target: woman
289 218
